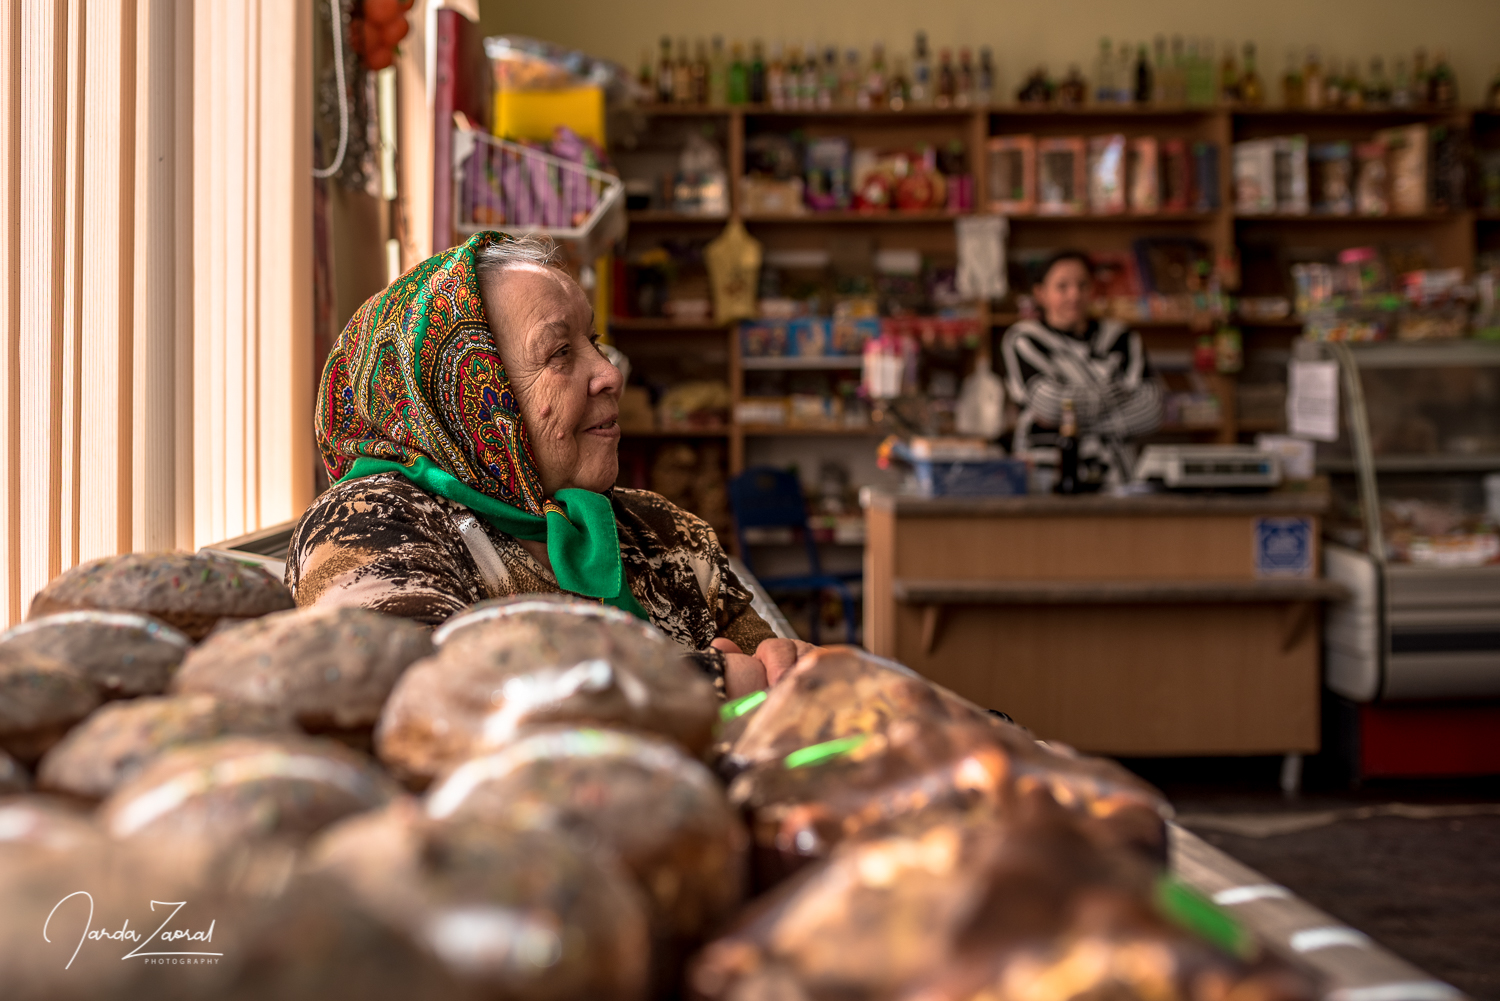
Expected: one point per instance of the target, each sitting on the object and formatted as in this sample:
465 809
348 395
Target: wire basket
516 189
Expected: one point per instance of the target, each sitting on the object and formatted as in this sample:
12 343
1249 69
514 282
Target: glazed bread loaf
331 669
521 915
189 592
121 738
40 698
503 666
125 654
236 790
641 798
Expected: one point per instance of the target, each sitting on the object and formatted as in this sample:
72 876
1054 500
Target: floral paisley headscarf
415 385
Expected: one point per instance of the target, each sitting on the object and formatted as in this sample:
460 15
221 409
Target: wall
1023 34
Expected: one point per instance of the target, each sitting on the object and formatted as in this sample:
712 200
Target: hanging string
336 19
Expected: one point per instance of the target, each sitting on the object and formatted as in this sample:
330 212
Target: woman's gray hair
518 252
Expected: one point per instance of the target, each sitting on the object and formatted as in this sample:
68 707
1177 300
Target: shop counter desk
1162 624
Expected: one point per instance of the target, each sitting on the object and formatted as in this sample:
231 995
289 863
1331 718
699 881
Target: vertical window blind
155 277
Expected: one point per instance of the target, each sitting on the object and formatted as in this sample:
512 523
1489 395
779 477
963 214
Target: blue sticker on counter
1283 547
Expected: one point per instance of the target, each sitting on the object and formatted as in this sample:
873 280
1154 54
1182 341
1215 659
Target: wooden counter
1140 625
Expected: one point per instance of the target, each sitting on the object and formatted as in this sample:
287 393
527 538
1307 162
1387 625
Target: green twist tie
742 705
1189 909
818 753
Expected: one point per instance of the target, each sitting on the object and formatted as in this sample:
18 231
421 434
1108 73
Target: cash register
1209 467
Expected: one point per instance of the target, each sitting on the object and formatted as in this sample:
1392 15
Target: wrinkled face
1064 294
568 393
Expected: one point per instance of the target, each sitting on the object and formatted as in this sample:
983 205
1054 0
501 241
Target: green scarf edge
583 545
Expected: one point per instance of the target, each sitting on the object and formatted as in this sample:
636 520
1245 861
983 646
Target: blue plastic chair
766 497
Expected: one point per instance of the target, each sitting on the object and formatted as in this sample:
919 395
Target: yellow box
535 114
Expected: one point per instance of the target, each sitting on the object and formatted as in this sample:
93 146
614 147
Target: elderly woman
468 421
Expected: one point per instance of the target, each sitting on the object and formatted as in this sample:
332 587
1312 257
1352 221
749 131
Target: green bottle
739 76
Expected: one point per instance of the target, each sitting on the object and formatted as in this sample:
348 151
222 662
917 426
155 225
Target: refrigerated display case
1412 661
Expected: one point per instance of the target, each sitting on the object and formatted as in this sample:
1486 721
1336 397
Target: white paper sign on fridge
1312 399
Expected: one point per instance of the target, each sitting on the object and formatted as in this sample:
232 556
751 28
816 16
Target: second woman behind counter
1099 365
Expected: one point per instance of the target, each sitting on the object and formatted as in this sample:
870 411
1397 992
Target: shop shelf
669 216
1289 323
1122 217
934 215
1340 220
1478 463
1101 111
720 432
801 364
663 323
776 430
683 110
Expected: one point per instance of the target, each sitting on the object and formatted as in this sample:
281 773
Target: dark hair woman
1067 354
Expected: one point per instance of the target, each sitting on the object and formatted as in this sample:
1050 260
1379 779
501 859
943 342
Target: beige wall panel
43 122
10 309
1078 548
104 372
286 388
1140 679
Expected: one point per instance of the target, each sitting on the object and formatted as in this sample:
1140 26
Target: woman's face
1064 294
568 393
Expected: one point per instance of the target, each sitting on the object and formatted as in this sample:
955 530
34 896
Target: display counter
1164 624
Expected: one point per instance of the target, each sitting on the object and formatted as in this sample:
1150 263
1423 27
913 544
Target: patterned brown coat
383 542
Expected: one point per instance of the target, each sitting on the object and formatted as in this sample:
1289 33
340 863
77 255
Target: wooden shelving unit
1453 236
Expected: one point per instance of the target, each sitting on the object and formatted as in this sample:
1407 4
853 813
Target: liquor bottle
1229 76
1354 87
850 80
1293 95
1143 76
896 91
1159 79
967 88
737 82
947 81
807 83
643 76
828 85
1073 92
986 81
1443 92
1402 94
1178 93
665 70
1312 79
1378 90
1067 451
700 73
718 74
776 79
1421 81
873 93
921 72
1124 74
1200 73
682 76
1104 74
755 75
1252 90
1333 84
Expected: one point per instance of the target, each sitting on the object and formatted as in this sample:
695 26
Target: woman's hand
742 674
778 655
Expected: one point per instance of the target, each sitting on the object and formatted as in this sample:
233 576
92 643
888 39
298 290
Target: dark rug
1415 865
